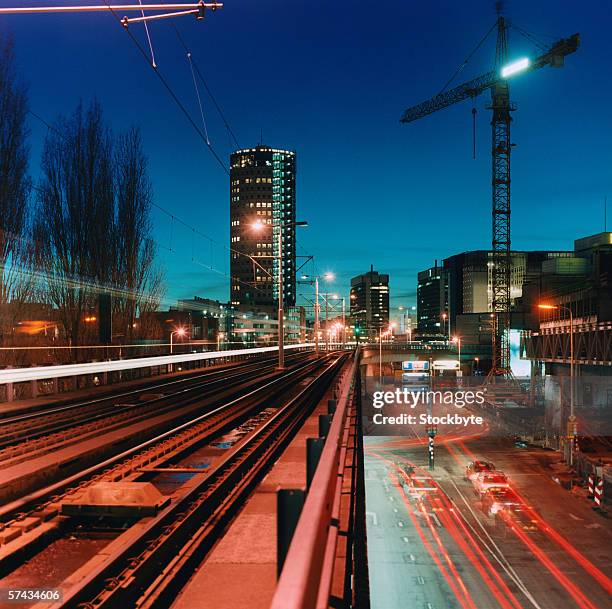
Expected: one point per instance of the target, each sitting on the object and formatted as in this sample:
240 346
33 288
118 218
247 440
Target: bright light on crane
515 67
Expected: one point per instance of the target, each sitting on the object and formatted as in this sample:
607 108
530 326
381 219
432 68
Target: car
475 467
487 480
496 499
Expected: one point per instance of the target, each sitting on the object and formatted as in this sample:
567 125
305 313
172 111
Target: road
431 546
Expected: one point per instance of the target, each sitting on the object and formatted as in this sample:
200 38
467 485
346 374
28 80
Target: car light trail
504 596
427 544
577 594
604 581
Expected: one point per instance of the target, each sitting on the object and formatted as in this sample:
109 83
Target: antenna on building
261 136
606 214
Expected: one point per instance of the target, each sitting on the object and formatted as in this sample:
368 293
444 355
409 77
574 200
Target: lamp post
457 341
380 335
179 332
259 225
572 417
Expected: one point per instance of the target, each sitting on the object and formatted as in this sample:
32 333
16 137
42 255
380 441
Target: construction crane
497 81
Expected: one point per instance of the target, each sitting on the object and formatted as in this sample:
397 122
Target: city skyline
331 112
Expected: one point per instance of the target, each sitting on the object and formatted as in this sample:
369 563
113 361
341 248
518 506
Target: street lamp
446 334
380 337
258 226
179 332
457 341
572 417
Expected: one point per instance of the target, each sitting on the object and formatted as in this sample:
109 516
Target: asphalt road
431 546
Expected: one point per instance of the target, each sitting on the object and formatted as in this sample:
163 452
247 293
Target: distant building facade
432 300
370 302
262 189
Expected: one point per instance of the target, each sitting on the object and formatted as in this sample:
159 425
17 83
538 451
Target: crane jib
554 58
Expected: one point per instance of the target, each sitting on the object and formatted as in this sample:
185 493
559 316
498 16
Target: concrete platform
240 572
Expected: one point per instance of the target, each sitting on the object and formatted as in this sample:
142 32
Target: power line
189 54
170 91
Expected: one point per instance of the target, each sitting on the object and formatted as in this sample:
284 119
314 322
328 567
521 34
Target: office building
370 302
470 276
432 301
262 190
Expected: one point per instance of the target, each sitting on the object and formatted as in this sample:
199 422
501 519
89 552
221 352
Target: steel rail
108 406
35 498
310 559
119 580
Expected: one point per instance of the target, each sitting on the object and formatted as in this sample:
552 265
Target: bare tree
93 228
15 281
74 230
136 271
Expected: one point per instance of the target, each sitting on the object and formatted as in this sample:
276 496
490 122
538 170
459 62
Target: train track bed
202 470
38 463
42 424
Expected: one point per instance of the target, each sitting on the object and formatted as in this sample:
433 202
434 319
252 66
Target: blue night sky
330 80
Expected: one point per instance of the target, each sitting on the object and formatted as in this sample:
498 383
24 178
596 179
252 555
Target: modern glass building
262 190
370 302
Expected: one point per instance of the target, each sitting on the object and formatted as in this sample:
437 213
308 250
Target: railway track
144 560
49 419
34 434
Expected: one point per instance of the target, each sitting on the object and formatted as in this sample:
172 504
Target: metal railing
306 578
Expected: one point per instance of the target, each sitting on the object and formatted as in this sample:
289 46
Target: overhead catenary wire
170 91
174 220
198 72
146 27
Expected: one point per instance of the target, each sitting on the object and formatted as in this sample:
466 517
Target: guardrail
20 375
305 581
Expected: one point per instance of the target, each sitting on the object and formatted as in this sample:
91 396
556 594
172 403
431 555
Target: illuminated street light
457 341
520 65
179 332
572 417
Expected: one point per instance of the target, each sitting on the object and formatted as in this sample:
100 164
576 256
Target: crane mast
501 259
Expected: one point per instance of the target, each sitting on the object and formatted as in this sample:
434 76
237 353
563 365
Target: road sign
415 366
446 364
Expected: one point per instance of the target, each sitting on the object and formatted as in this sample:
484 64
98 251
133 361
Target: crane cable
467 59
